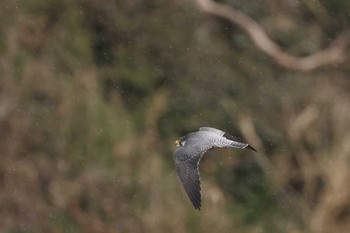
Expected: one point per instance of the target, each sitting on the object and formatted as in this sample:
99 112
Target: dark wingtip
251 148
197 205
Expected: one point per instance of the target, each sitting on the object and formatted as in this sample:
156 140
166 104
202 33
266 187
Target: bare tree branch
334 54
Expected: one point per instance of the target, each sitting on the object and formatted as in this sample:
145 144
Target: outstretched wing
213 130
187 168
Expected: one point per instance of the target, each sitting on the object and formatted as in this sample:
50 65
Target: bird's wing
187 168
213 130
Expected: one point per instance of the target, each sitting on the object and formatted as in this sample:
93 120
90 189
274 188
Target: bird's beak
177 142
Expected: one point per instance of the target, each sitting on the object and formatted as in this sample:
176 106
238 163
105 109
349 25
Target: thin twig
333 55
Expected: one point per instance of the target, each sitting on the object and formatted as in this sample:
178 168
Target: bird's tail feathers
250 148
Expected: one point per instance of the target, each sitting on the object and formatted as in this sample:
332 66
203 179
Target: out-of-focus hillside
93 95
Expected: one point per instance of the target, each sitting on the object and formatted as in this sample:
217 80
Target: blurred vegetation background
94 93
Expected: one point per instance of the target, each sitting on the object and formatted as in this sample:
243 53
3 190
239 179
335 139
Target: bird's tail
250 147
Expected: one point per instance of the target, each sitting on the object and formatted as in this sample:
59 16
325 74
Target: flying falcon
191 148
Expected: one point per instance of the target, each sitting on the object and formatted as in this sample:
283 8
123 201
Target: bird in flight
191 148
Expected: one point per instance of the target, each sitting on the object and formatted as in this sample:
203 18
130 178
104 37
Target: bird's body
191 148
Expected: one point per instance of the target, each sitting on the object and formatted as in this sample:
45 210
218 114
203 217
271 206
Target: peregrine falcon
191 148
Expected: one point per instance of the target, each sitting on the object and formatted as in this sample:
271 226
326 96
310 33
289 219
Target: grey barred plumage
191 148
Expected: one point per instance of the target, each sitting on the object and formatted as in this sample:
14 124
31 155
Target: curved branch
332 55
